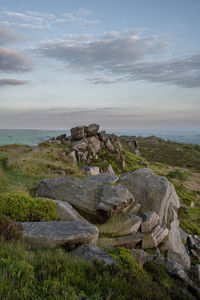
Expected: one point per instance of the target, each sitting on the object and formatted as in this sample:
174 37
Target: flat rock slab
106 178
95 201
91 252
119 225
58 233
153 239
127 241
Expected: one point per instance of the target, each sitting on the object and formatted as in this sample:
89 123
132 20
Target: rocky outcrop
155 238
128 241
105 178
91 253
157 194
97 202
58 233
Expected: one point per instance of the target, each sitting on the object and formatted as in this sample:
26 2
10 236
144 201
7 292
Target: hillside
37 273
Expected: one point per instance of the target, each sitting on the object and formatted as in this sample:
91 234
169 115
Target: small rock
139 255
61 137
137 152
109 146
66 212
91 252
153 239
110 169
91 170
196 271
94 145
72 155
102 136
150 220
80 145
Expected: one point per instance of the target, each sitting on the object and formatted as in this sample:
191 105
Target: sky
122 64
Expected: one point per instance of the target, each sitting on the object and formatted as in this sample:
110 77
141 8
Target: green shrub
178 175
20 206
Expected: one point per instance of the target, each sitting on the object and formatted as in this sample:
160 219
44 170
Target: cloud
125 56
13 61
11 81
42 20
6 36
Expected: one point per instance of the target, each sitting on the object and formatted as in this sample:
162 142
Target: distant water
33 137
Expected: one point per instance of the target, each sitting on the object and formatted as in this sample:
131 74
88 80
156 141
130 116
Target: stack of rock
86 143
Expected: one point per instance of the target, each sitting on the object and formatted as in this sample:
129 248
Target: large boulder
92 129
78 132
91 252
153 192
156 193
95 201
58 233
94 145
66 212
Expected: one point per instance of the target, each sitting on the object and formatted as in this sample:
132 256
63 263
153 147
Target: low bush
176 174
20 206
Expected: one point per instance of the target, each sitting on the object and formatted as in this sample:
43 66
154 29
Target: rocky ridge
138 211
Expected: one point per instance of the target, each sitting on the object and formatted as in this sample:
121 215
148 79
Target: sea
33 137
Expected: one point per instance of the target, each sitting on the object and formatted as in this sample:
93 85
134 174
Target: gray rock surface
91 252
119 225
157 194
78 132
127 241
91 170
58 233
72 155
105 178
80 145
92 129
150 220
140 256
96 202
66 212
102 136
94 145
156 237
109 146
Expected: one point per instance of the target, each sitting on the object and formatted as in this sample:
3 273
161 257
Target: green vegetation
51 274
177 174
20 206
10 230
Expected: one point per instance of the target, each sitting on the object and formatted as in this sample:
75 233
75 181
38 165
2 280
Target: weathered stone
92 129
94 145
78 132
91 170
174 244
93 200
193 246
127 241
119 225
137 152
72 155
150 220
102 136
80 145
113 199
140 256
118 144
180 274
183 234
109 146
81 156
105 178
153 192
196 271
61 137
156 237
58 233
91 252
66 212
169 265
110 170
134 208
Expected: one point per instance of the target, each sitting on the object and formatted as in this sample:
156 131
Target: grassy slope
41 274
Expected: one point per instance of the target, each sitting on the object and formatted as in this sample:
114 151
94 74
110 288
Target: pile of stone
137 211
86 142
